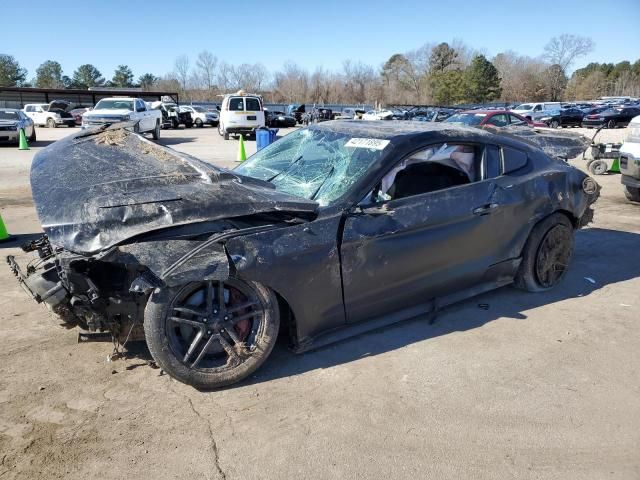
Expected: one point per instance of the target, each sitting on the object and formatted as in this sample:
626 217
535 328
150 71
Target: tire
195 353
598 167
551 239
188 125
632 194
32 137
611 124
199 123
175 124
156 131
136 128
51 123
554 124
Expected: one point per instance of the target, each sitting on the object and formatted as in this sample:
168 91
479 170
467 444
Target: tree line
444 74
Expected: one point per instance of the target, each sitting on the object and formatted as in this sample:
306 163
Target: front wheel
32 137
212 334
554 124
611 124
199 123
51 123
156 131
632 193
546 254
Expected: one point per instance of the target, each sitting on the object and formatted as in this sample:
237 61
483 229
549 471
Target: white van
240 113
533 111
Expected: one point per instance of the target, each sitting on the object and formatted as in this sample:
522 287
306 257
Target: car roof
485 112
395 128
6 109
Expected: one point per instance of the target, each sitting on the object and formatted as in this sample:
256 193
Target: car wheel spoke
192 347
234 359
186 321
244 306
203 351
190 311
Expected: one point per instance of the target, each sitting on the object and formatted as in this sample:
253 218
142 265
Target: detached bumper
41 285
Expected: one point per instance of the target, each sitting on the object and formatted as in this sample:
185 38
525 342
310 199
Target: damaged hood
553 142
101 187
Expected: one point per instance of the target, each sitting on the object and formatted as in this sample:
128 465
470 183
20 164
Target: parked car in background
317 115
77 114
201 116
125 109
240 113
611 118
279 119
378 115
351 114
432 114
630 161
12 121
533 111
51 114
496 118
563 117
297 112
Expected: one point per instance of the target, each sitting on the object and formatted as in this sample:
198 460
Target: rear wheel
546 254
554 124
212 334
199 123
51 123
632 193
32 137
156 131
598 167
188 125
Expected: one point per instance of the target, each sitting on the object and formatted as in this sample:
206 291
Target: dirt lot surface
537 386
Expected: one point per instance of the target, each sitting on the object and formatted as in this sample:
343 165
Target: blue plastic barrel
263 138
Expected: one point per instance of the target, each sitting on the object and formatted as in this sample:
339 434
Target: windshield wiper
286 169
333 169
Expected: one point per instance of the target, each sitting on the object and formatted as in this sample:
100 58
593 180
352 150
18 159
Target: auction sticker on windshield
372 143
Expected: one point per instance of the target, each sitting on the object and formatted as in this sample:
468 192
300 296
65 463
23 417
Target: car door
406 252
143 116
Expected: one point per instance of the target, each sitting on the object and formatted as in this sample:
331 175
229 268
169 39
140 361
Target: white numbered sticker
372 143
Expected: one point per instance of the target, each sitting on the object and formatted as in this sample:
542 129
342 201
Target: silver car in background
11 122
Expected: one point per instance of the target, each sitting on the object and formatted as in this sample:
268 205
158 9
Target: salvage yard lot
505 385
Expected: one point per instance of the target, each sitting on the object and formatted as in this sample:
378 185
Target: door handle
485 209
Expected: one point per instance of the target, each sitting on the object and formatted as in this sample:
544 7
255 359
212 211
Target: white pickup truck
125 109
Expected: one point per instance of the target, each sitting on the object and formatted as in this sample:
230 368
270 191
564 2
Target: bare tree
291 84
206 68
182 66
565 49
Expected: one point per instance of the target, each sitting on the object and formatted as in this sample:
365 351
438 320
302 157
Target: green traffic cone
242 155
23 141
4 235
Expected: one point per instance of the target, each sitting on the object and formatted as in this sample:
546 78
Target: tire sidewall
155 318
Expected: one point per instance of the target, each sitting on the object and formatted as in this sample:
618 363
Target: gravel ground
539 386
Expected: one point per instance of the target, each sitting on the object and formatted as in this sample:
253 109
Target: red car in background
496 118
77 114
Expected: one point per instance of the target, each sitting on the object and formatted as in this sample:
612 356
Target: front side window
434 168
499 120
516 121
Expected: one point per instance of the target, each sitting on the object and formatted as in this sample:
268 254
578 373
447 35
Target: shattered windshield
466 118
115 105
315 164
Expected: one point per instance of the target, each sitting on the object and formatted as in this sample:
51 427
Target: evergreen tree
482 82
11 73
49 75
123 77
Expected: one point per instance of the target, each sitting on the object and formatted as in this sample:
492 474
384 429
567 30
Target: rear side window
513 159
29 108
499 120
492 162
236 104
253 104
516 121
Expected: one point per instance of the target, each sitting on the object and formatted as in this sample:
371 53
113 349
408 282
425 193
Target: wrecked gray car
331 231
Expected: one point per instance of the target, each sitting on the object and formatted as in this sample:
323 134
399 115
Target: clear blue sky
326 32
